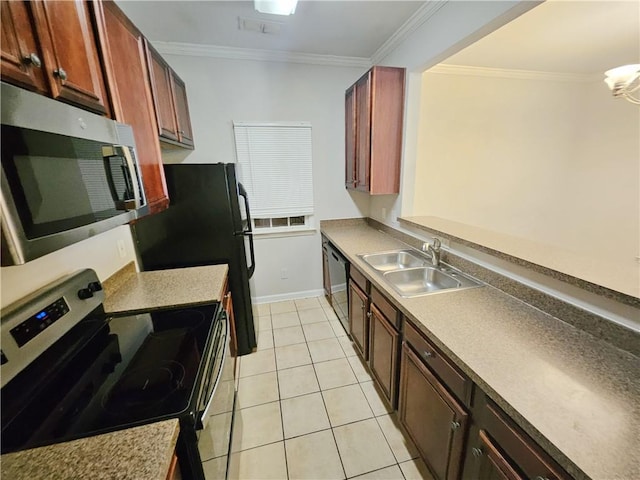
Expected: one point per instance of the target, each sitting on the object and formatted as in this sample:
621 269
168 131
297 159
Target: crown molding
421 15
197 50
514 74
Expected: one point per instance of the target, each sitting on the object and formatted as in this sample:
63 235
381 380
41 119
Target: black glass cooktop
107 374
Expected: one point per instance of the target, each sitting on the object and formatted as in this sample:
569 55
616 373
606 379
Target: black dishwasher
338 277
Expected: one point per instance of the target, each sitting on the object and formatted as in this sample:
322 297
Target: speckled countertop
147 291
576 395
136 453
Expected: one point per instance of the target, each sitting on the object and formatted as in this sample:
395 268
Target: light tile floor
308 408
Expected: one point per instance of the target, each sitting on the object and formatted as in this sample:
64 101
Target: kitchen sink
395 260
410 273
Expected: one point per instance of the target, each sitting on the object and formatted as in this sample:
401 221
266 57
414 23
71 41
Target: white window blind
274 165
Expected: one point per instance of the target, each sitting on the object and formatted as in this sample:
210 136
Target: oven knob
84 293
95 286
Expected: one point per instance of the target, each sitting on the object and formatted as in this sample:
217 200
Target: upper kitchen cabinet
123 47
21 58
374 108
170 101
37 54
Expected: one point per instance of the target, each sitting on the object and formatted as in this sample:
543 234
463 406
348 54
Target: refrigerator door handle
243 193
248 232
252 267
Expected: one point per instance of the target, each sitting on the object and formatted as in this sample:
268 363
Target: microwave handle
122 151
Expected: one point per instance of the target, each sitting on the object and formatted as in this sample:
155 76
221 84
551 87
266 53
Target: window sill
258 235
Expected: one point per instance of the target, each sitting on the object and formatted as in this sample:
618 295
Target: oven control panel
37 323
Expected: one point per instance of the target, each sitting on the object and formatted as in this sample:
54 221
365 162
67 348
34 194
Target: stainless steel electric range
70 371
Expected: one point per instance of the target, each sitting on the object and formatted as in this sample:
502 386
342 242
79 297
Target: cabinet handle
427 354
540 477
181 132
60 73
368 314
455 425
476 452
32 59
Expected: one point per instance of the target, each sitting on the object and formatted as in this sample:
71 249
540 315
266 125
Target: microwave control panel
37 323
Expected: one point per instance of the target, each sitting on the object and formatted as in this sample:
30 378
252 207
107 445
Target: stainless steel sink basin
411 274
395 260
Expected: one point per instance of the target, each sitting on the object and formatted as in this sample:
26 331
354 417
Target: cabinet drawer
385 307
519 447
358 278
453 378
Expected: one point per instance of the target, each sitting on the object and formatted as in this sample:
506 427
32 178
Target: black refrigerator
208 222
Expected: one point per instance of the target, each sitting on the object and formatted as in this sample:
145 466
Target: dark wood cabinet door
435 421
387 110
383 353
126 70
358 319
70 52
182 110
363 132
492 465
350 137
20 53
160 78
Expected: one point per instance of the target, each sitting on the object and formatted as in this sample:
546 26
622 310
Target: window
274 165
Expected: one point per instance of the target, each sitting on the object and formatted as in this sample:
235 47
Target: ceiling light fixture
276 7
624 82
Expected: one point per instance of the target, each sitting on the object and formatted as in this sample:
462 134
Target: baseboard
286 296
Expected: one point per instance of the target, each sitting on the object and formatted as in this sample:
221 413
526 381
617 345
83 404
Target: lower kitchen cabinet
498 449
359 318
432 417
384 347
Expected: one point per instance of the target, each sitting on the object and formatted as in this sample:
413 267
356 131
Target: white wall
551 164
451 26
221 91
99 253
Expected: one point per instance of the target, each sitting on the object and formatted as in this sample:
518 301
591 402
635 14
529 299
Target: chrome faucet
433 249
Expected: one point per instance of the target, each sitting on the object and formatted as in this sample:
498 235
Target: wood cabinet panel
182 110
70 53
160 78
457 382
363 132
433 418
174 472
378 119
350 137
358 278
21 56
384 342
126 70
170 101
386 307
492 465
358 319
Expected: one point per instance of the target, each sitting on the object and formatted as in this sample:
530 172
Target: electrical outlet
122 250
284 274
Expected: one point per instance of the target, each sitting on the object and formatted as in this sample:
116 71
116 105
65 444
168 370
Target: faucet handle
425 247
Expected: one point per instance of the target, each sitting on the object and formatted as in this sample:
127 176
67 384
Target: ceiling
580 37
338 28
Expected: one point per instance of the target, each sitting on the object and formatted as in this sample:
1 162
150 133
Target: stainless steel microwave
67 175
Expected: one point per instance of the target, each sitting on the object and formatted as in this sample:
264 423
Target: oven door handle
225 352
